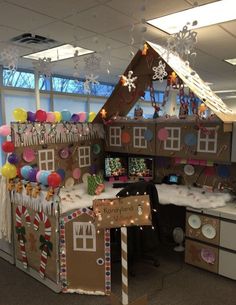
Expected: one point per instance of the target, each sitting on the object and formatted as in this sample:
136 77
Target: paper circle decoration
76 173
208 256
189 170
194 221
64 153
162 134
69 182
125 137
85 178
28 155
148 135
190 139
96 149
208 231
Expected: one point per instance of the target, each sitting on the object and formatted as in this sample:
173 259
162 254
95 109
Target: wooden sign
125 211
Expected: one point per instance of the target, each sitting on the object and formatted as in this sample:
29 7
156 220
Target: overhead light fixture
231 61
59 53
205 15
225 91
229 96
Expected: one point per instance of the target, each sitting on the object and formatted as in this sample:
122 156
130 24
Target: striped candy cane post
20 230
124 264
48 230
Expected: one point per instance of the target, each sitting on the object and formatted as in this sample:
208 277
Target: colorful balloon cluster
22 116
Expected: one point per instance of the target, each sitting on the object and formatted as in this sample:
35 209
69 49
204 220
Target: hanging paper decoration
182 42
92 63
43 66
10 57
76 64
128 81
160 71
90 80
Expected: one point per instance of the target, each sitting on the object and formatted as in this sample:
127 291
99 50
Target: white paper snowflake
10 57
160 71
92 63
89 81
182 42
76 64
43 66
128 81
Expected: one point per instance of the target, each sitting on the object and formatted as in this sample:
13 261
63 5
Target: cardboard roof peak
121 100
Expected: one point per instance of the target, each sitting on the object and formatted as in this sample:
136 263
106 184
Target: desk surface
77 197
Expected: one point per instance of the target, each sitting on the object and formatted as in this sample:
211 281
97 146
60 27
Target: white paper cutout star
160 71
128 81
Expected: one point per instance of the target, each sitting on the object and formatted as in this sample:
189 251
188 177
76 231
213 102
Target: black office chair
147 239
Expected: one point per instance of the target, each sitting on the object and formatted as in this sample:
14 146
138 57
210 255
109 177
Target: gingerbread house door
85 261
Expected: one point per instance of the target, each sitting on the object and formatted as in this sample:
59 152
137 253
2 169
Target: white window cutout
173 140
138 137
84 236
115 136
84 156
207 140
46 159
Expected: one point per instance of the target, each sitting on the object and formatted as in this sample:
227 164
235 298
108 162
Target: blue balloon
25 170
43 178
65 115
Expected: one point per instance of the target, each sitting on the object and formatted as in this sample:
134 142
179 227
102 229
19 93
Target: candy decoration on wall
128 81
20 231
8 147
9 170
46 245
124 261
162 134
5 130
28 154
125 137
20 115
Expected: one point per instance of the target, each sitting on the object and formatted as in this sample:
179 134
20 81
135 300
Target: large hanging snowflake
90 80
92 63
160 71
182 42
76 64
43 66
10 57
128 81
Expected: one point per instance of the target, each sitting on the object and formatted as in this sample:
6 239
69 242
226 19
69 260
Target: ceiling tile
20 18
100 19
99 43
230 27
7 33
56 8
63 32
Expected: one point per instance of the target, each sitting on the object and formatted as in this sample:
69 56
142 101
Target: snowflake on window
10 57
43 66
160 71
128 81
89 81
182 42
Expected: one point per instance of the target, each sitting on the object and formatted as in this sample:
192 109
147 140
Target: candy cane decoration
20 230
124 263
46 245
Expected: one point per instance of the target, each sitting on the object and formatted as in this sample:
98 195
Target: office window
115 136
207 140
173 140
46 159
84 156
138 137
84 236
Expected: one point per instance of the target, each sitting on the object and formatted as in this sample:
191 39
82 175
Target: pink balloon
82 116
50 117
5 130
162 134
38 176
76 173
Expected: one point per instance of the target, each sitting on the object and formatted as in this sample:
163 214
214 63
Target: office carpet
172 283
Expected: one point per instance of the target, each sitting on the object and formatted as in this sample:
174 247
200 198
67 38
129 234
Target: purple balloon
75 118
31 116
13 159
32 175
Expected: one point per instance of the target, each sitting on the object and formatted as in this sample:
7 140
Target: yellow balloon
9 170
57 116
92 116
20 115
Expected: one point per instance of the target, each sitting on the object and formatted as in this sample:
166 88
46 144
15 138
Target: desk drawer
203 228
201 255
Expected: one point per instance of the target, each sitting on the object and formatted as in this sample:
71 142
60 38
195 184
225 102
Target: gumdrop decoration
160 71
128 81
90 80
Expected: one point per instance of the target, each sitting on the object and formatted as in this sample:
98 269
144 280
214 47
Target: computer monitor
140 168
115 167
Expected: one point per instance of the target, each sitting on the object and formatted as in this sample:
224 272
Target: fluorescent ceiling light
225 91
231 61
229 96
59 53
205 15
